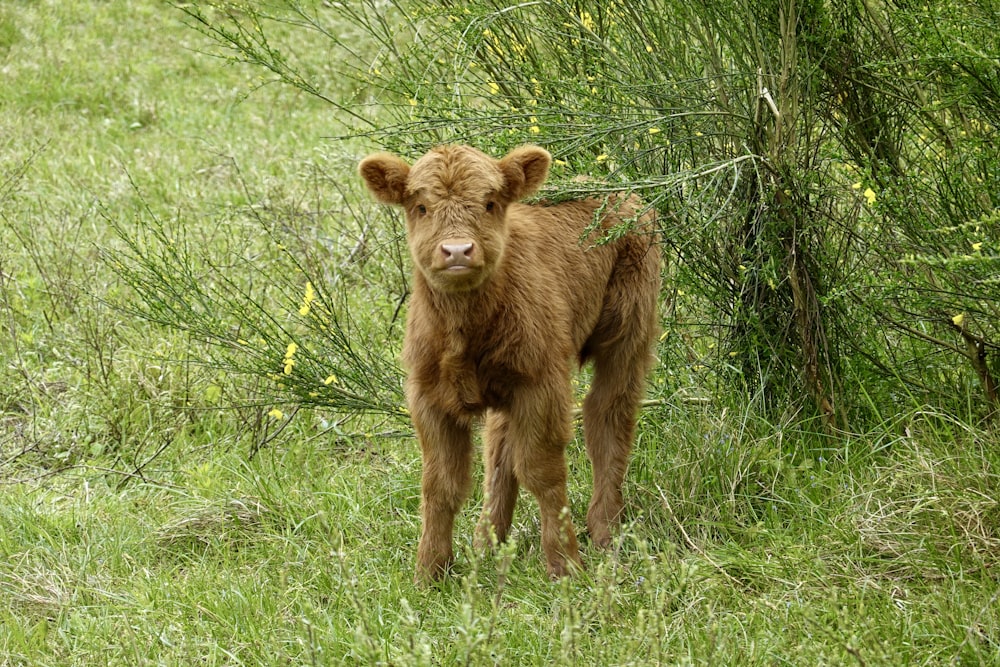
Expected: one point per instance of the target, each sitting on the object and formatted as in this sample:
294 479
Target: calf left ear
385 175
524 170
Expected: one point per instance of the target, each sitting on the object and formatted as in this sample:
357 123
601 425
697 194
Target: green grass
137 528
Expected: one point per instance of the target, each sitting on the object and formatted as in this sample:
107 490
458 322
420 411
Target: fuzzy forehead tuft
456 172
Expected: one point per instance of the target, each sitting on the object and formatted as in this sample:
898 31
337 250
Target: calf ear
524 170
385 175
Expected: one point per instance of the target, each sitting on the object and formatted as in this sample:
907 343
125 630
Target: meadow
179 485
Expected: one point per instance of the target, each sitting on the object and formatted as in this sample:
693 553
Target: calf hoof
600 538
430 570
485 539
426 577
603 519
563 568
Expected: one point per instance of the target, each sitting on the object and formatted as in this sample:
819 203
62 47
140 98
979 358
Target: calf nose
457 254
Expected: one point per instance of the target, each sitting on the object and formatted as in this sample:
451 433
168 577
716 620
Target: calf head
456 199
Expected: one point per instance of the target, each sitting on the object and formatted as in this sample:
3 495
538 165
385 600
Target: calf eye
489 207
421 209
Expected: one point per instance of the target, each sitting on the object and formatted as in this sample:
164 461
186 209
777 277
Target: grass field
154 510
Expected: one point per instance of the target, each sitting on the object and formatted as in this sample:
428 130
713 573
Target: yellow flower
330 380
307 300
587 21
289 361
977 246
869 195
494 88
275 413
958 319
601 158
653 130
649 49
857 186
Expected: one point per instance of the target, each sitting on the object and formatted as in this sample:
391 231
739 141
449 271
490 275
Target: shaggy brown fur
505 297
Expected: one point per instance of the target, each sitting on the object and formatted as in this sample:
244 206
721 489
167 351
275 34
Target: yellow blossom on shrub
289 361
958 319
307 300
870 196
275 413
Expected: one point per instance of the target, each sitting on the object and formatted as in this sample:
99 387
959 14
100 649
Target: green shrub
824 174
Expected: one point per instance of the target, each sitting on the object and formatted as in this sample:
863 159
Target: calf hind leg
621 348
499 482
609 414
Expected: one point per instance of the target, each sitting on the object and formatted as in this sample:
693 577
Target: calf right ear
385 175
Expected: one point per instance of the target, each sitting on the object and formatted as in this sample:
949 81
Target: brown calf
505 296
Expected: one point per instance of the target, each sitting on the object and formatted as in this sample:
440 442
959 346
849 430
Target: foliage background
825 175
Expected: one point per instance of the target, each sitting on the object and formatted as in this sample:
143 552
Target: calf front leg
540 429
446 447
